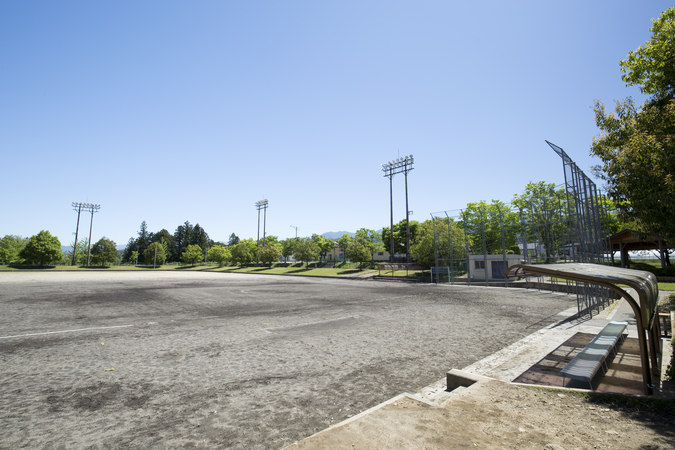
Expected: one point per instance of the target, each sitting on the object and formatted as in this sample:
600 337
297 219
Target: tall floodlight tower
399 165
407 166
389 173
92 209
76 207
260 204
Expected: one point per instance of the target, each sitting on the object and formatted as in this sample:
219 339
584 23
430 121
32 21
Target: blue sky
168 111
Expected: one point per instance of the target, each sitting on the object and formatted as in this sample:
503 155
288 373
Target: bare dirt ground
498 415
204 360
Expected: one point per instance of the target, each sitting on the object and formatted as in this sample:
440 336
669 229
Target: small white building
492 267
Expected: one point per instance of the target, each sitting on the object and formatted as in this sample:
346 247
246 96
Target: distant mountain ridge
335 235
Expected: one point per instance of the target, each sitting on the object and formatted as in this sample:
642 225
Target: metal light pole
92 209
399 165
389 173
260 204
76 207
407 212
296 230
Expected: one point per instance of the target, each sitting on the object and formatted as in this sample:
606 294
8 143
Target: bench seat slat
586 364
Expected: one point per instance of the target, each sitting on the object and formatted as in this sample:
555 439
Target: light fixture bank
397 163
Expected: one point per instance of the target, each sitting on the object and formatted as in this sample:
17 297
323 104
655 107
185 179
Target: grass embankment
302 269
345 269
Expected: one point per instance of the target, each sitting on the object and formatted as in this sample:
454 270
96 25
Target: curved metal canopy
643 282
615 278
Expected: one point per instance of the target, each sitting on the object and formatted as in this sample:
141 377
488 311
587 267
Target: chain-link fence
546 225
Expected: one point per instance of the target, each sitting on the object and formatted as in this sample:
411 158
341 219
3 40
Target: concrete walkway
429 418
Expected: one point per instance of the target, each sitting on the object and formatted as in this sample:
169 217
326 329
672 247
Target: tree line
161 247
542 206
45 249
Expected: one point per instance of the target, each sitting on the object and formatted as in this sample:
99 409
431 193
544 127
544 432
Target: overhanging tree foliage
637 144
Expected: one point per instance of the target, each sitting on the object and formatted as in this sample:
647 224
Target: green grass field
345 269
287 269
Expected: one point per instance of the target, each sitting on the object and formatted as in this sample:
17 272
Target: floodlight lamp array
261 203
398 165
86 206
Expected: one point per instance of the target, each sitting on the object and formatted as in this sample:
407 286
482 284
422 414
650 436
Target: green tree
371 239
269 253
131 247
104 250
423 250
288 247
343 243
636 145
220 254
399 236
10 248
81 251
233 240
637 150
610 217
133 258
307 250
192 254
325 245
155 254
359 251
652 66
241 253
42 247
200 237
166 239
483 221
182 237
544 212
143 239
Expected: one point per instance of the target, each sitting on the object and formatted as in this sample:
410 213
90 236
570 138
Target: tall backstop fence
546 225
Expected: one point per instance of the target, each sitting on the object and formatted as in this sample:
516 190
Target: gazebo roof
633 240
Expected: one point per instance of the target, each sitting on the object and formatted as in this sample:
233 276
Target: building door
498 269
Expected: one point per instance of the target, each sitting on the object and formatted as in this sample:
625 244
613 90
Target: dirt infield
204 360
